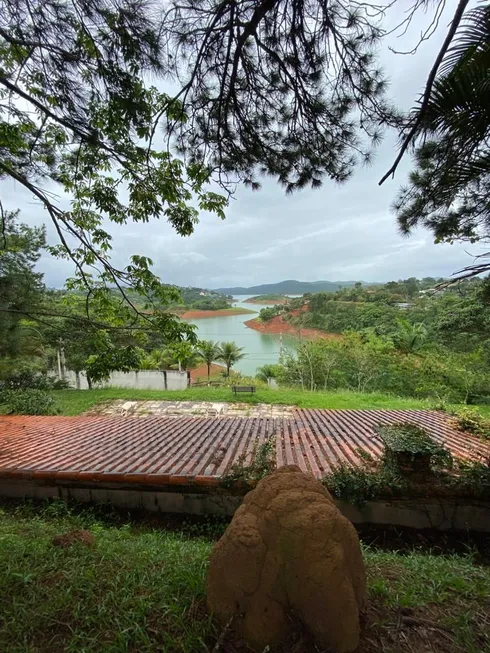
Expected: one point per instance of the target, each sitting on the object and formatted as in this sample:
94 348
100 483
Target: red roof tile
194 450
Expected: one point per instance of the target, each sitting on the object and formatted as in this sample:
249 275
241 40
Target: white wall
143 379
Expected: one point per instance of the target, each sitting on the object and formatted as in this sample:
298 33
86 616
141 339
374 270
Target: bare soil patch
201 372
279 325
74 537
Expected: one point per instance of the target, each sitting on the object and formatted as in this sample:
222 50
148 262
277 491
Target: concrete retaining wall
444 514
143 379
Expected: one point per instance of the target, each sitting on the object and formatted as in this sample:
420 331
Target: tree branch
428 88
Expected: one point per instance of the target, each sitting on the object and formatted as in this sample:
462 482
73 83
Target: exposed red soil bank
196 314
201 372
279 325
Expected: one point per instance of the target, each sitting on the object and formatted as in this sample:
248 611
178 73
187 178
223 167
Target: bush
30 379
405 439
475 475
28 402
468 420
359 484
263 463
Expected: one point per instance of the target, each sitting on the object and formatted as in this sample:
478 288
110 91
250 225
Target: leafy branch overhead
76 114
292 88
449 187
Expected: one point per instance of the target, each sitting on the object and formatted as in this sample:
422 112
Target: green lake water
260 348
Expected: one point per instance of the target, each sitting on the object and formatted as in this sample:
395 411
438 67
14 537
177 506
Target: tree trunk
77 380
209 371
89 382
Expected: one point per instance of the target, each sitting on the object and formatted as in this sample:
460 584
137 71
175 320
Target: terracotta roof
193 450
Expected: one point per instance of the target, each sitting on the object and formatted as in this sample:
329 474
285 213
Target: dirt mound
74 537
289 557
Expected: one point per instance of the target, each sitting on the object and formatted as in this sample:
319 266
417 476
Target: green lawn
74 402
142 589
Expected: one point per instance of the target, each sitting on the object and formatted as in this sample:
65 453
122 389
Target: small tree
209 351
113 359
230 353
266 372
183 353
410 338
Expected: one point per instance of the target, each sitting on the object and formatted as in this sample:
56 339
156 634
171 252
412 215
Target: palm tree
209 351
156 359
183 354
230 353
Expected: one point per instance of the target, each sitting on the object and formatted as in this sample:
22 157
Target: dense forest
411 337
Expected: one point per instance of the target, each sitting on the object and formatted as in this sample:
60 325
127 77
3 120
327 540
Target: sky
335 233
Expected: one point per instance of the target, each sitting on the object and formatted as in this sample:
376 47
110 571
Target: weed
367 481
359 484
144 590
468 420
408 440
263 462
210 527
364 455
475 476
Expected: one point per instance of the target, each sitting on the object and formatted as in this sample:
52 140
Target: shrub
359 484
408 441
472 422
31 379
474 475
28 402
263 463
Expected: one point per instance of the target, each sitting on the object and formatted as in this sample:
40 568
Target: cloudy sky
335 232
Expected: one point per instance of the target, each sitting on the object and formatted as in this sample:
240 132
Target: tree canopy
449 189
77 115
21 287
290 88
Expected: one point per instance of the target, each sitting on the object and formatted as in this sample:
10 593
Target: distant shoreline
277 326
276 302
195 314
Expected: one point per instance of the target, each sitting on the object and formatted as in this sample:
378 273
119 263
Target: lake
260 348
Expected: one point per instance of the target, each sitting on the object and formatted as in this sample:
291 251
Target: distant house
403 305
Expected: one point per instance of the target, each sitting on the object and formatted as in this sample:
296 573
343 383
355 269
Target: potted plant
411 449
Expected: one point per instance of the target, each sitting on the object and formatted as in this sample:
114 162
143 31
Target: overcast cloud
335 232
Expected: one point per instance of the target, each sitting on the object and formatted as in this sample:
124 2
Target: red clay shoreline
278 325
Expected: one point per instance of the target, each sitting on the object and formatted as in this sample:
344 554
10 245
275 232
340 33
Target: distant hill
289 287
